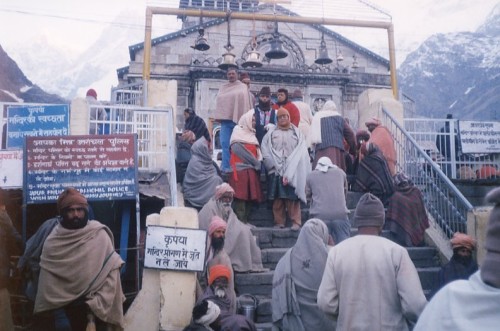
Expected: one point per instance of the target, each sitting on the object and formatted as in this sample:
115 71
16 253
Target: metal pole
392 61
146 72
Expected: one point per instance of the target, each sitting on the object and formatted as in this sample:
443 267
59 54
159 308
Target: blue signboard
101 167
36 121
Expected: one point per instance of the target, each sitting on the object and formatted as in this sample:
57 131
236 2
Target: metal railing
154 129
440 140
442 199
130 94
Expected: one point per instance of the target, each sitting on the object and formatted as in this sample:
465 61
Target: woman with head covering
245 163
296 281
328 132
201 176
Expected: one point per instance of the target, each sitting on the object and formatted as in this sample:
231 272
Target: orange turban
69 197
218 270
462 240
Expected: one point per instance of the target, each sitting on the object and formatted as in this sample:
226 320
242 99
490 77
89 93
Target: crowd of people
328 280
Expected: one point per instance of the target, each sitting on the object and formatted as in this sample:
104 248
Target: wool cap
215 224
297 94
369 211
462 240
91 93
206 312
222 189
490 269
69 197
266 90
216 271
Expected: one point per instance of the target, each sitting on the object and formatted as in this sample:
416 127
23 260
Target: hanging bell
253 60
323 54
340 57
228 61
201 42
276 51
355 64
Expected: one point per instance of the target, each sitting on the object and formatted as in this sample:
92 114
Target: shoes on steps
295 227
279 226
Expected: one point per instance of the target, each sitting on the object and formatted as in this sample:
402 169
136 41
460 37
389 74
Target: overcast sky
77 24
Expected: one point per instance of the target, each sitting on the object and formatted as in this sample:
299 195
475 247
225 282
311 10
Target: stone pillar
477 223
79 117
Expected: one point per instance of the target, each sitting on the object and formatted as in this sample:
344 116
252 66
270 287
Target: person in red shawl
382 137
284 102
245 164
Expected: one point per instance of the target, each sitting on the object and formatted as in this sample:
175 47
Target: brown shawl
232 101
82 262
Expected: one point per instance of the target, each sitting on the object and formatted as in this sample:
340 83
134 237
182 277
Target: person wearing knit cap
265 115
328 202
471 304
329 130
206 317
462 264
306 116
217 290
10 245
90 266
195 124
239 241
285 156
96 113
284 102
370 274
217 255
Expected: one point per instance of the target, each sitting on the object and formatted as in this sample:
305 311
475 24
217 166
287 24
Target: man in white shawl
329 130
286 159
306 115
201 176
240 244
296 281
79 270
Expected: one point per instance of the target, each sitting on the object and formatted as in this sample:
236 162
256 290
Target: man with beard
286 159
240 243
79 270
461 265
264 113
284 102
216 255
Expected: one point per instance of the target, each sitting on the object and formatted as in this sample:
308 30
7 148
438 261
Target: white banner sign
479 137
11 168
175 248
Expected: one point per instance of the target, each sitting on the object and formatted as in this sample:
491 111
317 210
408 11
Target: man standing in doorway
231 103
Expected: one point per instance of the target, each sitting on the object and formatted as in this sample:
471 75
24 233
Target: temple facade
198 75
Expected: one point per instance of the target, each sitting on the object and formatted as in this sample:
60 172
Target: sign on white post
170 248
479 137
11 168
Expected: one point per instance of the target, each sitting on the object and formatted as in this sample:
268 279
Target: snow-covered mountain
456 73
59 70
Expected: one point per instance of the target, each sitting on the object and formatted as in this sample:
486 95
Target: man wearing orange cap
216 255
96 113
218 287
79 269
286 159
461 265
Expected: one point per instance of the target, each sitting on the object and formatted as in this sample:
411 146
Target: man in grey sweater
326 190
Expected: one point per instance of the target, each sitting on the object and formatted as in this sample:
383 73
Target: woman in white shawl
245 165
296 281
329 130
201 176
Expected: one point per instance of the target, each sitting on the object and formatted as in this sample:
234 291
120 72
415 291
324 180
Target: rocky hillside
15 87
456 73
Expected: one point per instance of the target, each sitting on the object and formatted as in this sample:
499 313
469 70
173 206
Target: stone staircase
275 242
